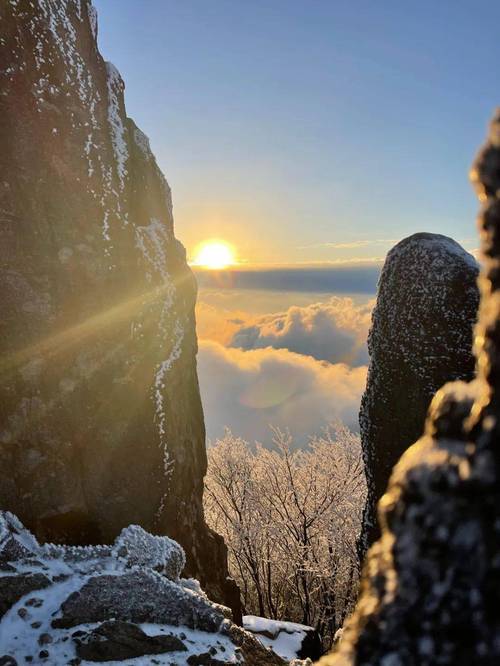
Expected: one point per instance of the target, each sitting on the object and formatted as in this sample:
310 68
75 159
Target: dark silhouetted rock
121 640
205 659
420 338
431 587
101 423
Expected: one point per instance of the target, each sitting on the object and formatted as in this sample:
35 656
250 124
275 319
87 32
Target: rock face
61 604
431 588
420 338
100 416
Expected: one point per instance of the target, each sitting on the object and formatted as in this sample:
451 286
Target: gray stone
13 588
122 640
139 596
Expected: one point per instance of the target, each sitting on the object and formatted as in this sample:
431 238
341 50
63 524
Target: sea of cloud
334 331
249 391
298 368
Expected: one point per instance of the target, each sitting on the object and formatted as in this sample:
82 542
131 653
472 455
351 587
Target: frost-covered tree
290 518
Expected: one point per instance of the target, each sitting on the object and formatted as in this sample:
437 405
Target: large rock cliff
420 338
431 586
101 423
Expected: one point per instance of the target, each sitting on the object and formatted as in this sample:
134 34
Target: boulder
13 588
137 596
121 640
420 338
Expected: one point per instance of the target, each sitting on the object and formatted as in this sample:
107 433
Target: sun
214 254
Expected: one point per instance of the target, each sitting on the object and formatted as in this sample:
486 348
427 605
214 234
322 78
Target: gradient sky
289 127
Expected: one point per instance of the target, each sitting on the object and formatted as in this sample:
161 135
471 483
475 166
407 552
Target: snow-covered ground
284 638
60 605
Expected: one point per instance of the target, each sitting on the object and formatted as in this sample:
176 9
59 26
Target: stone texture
101 423
431 587
112 602
252 650
138 596
420 338
121 640
13 588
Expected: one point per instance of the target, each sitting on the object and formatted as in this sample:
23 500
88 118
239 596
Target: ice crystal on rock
118 139
431 587
137 547
420 338
103 603
93 20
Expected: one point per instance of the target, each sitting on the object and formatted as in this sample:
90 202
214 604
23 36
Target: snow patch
117 129
93 20
283 638
137 547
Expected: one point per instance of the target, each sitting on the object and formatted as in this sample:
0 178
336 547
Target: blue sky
290 127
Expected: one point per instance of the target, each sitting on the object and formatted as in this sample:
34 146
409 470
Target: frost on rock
431 586
117 128
152 242
137 547
111 603
93 20
420 338
142 142
81 184
15 541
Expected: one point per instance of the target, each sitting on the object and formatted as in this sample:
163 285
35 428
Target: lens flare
214 254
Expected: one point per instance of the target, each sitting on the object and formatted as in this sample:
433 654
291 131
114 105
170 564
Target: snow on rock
430 592
93 20
123 603
142 142
137 547
101 423
420 338
118 137
288 639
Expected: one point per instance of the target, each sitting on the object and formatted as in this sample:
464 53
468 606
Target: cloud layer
333 331
345 278
250 390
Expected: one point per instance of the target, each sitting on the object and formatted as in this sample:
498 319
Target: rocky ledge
120 603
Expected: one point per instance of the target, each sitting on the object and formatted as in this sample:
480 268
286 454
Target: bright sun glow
214 254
